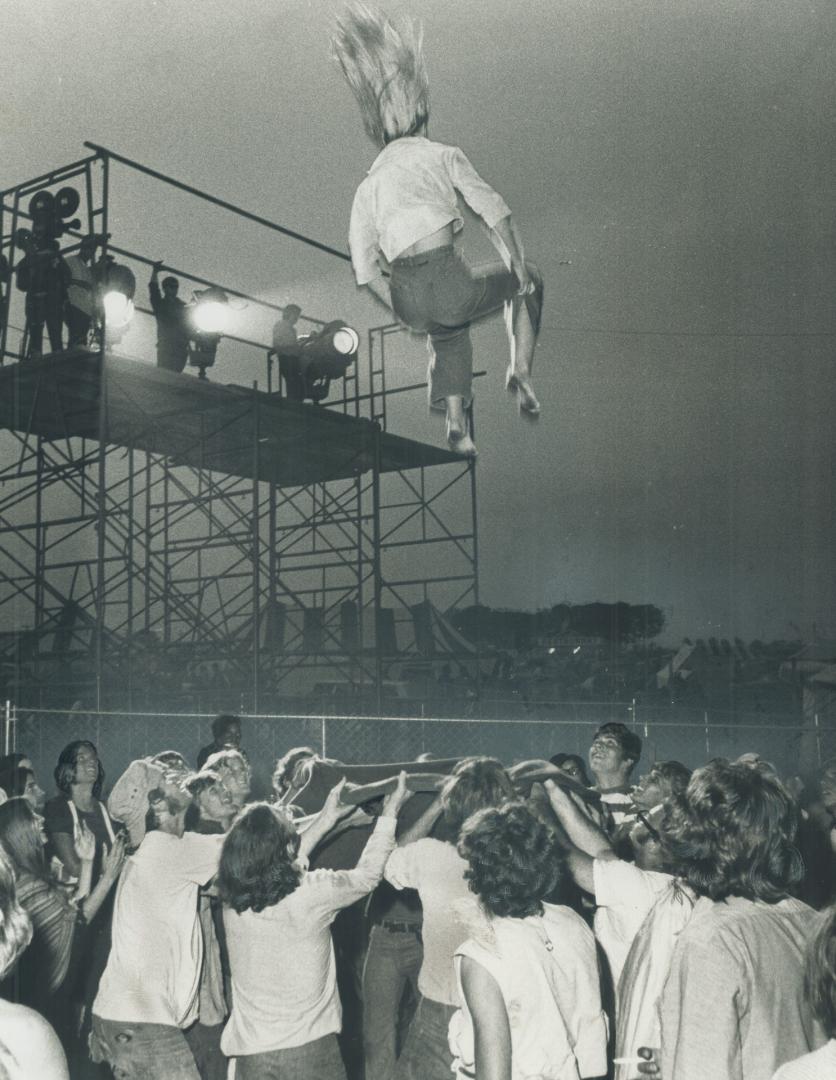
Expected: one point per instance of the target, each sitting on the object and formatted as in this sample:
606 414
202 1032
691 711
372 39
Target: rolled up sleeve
479 196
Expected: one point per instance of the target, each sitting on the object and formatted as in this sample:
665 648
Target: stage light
325 355
346 340
118 287
118 311
211 312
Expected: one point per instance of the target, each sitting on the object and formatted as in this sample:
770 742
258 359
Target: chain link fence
687 735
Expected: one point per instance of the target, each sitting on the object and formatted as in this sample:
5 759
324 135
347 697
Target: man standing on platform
286 348
80 307
172 326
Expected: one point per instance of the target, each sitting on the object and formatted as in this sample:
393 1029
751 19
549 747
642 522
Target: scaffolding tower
154 525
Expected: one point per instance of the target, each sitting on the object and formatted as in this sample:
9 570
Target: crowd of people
554 919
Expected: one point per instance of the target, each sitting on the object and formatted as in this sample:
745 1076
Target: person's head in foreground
234 770
167 813
212 801
475 783
732 833
574 767
226 731
20 782
663 780
514 862
22 838
613 754
78 763
287 772
383 63
258 866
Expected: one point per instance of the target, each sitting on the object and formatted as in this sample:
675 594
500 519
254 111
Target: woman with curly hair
529 974
28 1045
433 867
733 1004
285 1005
405 217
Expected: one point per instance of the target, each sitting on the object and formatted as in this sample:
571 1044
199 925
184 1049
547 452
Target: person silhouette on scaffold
405 217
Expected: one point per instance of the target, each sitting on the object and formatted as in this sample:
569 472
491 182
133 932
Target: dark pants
393 961
438 294
426 1053
317 1060
78 326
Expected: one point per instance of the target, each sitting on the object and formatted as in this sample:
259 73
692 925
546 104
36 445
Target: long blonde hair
383 63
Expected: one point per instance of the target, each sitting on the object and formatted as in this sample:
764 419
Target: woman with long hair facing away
529 973
286 1009
45 981
29 1047
432 866
405 217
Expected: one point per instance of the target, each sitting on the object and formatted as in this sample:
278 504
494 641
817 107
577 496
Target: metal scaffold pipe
104 152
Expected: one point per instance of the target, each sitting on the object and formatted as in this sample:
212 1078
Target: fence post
818 738
7 727
707 738
323 735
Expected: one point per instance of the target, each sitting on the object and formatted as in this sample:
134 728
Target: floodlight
118 311
118 286
346 340
211 312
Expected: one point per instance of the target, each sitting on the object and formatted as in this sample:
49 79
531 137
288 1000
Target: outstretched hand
395 799
334 809
85 843
113 860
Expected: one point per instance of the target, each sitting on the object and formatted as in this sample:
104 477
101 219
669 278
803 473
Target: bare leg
458 438
522 340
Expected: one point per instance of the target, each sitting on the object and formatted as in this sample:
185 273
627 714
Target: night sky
670 165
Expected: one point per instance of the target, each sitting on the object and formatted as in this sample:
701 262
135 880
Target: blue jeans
142 1051
438 294
426 1053
393 960
317 1060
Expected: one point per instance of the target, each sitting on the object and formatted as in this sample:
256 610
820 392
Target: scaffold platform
231 429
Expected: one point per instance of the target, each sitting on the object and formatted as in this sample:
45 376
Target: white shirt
644 974
733 1004
624 895
436 870
284 976
819 1065
80 289
552 996
153 971
410 193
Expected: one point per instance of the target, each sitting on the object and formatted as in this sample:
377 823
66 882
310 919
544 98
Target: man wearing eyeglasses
624 891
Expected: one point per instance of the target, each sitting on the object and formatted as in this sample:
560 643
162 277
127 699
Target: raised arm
423 826
586 842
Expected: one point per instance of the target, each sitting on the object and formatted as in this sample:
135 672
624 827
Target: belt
400 927
423 257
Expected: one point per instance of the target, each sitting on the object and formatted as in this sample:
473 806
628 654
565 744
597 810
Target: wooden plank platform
196 422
